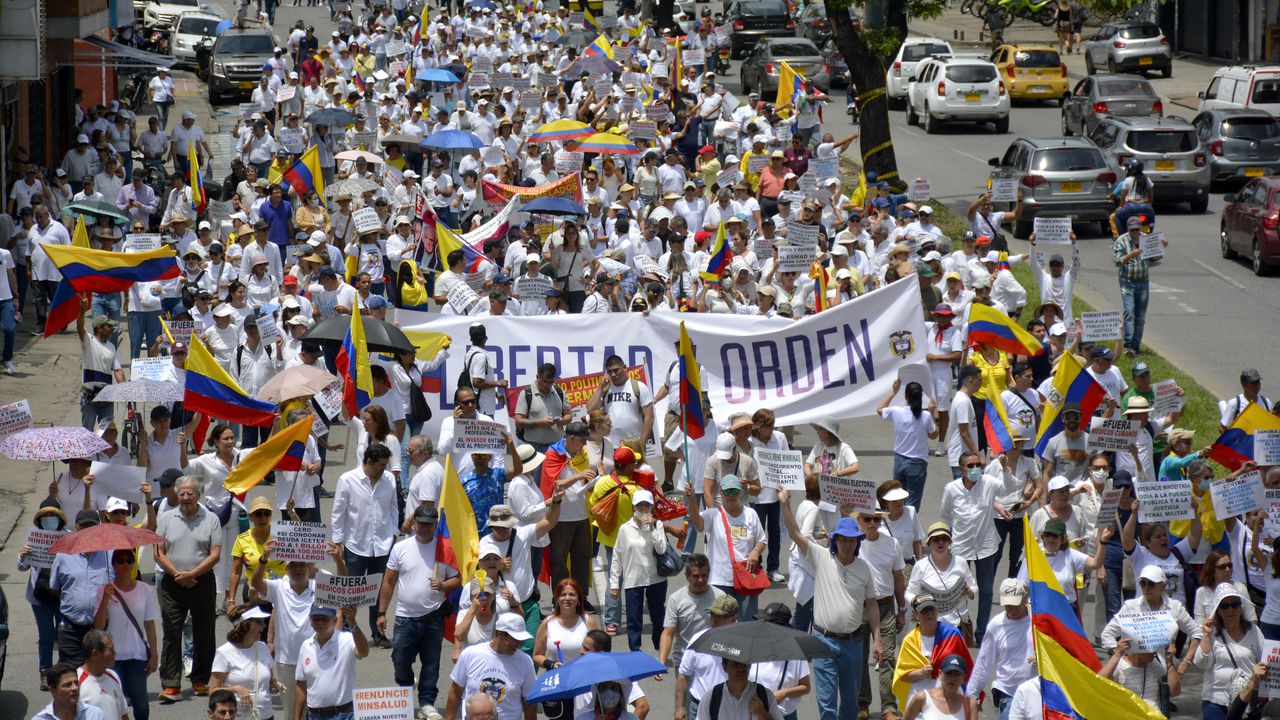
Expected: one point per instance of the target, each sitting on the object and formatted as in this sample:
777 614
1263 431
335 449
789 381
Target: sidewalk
964 32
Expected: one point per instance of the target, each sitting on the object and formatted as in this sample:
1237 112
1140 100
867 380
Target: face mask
1206 482
1098 474
974 474
49 522
610 698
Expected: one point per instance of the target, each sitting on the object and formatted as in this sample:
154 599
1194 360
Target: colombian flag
720 257
1070 384
104 271
1051 614
789 83
282 452
1235 446
946 641
458 522
80 238
992 327
1071 690
305 174
357 81
995 423
198 197
691 414
210 390
819 276
677 66
64 308
589 20
423 24
600 48
353 366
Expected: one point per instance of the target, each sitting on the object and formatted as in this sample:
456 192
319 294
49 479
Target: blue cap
322 611
880 202
848 528
376 302
502 278
553 293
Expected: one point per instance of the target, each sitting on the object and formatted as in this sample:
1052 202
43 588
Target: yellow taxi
1032 72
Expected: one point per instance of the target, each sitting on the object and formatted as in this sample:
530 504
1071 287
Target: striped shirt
1135 268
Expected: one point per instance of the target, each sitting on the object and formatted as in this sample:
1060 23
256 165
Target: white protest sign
300 541
182 329
1163 501
122 481
520 83
799 233
247 109
796 258
1168 400
756 163
329 400
918 190
1004 190
293 139
482 64
950 599
365 139
40 541
1152 246
286 92
545 79
533 287
1102 325
479 436
366 220
780 468
500 79
823 169
646 264
1232 498
1111 434
858 492
808 183
530 99
388 703
1148 631
1266 446
568 161
394 48
478 81
1108 508
1273 507
727 177
14 417
141 242
791 196
693 56
918 373
659 111
461 297
339 591
644 129
1270 685
268 328
1052 230
730 102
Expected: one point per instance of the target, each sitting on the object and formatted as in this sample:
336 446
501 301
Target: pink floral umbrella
52 443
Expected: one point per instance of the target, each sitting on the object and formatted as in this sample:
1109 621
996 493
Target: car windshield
915 53
763 8
1140 32
792 49
971 73
1162 141
197 26
1251 128
1117 87
1036 59
245 45
1066 159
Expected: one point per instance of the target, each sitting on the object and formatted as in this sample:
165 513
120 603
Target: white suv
946 89
1242 86
913 50
163 14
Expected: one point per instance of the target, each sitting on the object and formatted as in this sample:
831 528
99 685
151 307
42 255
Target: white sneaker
186 667
429 712
10 368
777 576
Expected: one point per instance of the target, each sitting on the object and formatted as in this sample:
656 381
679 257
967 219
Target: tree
867 53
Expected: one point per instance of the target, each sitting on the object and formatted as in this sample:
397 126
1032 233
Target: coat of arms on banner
902 344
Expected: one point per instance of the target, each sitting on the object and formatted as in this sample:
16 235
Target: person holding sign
732 522
1135 283
1140 672
325 679
365 511
945 577
1156 550
44 602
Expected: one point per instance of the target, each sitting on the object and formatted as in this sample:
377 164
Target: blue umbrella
554 206
221 26
577 677
482 4
452 140
332 116
439 75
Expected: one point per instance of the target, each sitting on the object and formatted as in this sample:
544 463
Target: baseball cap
724 606
376 302
1152 573
1140 368
1055 526
87 517
1101 352
1071 407
641 496
624 456
730 482
170 476
318 610
427 514
922 602
512 625
115 503
725 445
953 663
847 527
776 613
1012 591
1250 375
1058 482
1133 224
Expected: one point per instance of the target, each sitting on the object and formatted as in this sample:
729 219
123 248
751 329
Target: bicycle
131 432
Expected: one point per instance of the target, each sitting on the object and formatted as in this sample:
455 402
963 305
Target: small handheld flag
198 197
691 413
720 257
353 367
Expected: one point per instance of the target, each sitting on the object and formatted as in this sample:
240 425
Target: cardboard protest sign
1270 685
780 468
286 92
1168 400
796 258
293 139
268 328
122 481
1164 501
1266 446
462 297
479 436
40 541
141 242
387 703
1052 230
339 591
1232 498
366 220
1148 631
855 491
1102 325
918 190
1109 507
1004 190
300 541
329 400
1152 246
1111 434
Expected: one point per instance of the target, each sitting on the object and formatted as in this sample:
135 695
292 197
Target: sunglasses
123 560
973 465
733 493
873 520
467 402
1229 606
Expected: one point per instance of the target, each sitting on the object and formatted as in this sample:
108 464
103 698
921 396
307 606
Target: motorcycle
204 55
722 61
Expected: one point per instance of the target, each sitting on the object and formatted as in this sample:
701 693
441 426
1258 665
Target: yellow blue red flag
691 412
353 367
1235 446
283 451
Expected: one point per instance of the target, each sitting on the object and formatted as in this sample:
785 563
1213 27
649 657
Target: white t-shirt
508 679
910 433
961 412
292 616
625 409
250 667
416 563
884 556
103 692
142 603
1141 557
747 531
704 670
329 671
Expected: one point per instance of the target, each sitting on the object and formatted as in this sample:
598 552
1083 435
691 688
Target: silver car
1242 143
762 69
1128 46
1059 177
1100 95
1169 150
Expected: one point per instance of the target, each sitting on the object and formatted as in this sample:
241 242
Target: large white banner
840 362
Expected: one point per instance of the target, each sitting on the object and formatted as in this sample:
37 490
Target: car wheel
1225 241
1021 229
1002 125
1259 265
912 119
1167 71
930 124
1089 69
1111 65
1066 129
1200 205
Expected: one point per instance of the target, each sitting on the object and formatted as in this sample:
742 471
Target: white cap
843 273
725 445
926 210
205 225
533 258
317 238
299 320
293 76
896 494
839 251
641 496
1058 482
513 625
992 257
1152 573
290 302
1057 329
411 174
1012 591
82 139
223 310
255 613
932 255
403 220
115 503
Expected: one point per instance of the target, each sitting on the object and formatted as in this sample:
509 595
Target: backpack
190 289
717 694
527 399
464 377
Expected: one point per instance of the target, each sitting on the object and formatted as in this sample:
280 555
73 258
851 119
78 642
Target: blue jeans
1010 530
349 715
655 596
1134 295
91 412
1114 589
144 328
837 679
1211 711
133 680
361 565
911 473
747 604
691 540
47 621
612 608
9 328
771 518
802 619
108 304
419 638
986 576
1003 703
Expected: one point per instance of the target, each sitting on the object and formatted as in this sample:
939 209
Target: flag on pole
1051 613
458 522
818 274
1235 446
720 257
103 271
691 412
198 197
305 174
212 391
353 367
1071 384
600 47
990 326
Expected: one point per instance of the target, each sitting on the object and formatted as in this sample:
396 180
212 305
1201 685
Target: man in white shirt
325 674
364 519
483 378
1007 656
628 401
498 669
421 583
99 685
962 432
698 672
1102 369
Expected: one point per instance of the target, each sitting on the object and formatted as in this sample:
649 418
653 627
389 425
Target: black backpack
526 398
464 377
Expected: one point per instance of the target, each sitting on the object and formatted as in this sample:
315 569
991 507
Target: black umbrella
759 641
335 117
379 335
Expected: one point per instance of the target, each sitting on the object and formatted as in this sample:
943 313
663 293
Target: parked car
753 20
814 25
947 90
1249 224
188 31
762 69
162 15
913 50
1129 45
838 68
1100 95
1243 87
1032 72
1059 177
1169 151
236 62
1242 143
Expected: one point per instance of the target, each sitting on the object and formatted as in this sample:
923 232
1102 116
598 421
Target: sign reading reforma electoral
839 362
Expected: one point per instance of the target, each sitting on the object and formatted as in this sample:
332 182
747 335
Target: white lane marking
1230 281
973 157
1158 288
909 131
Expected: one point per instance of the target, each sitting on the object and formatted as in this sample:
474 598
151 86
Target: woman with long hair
128 612
243 663
599 447
310 215
1155 549
571 260
561 633
1226 652
1136 197
913 428
377 429
1216 570
410 292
